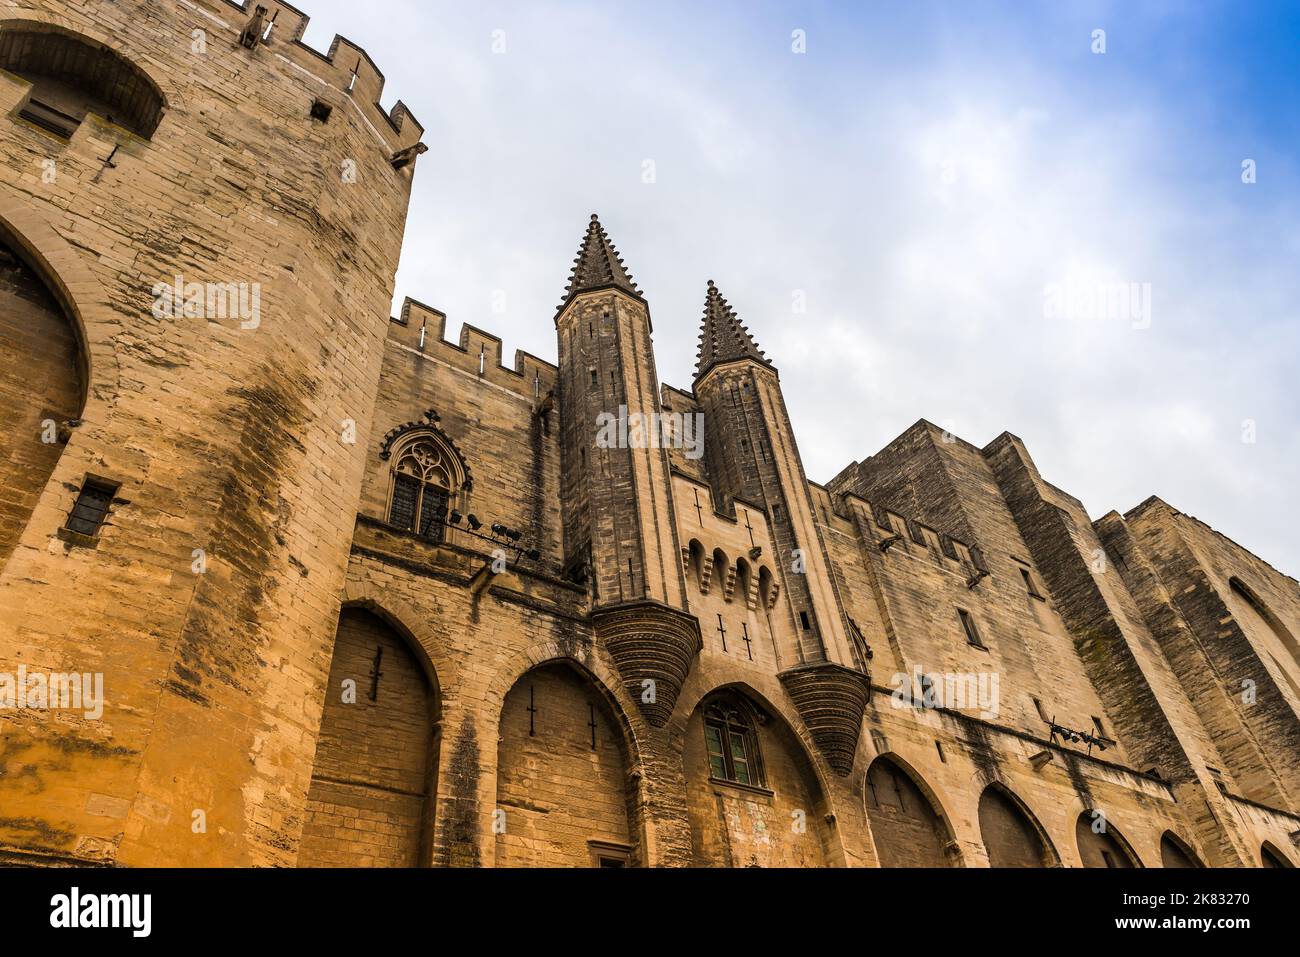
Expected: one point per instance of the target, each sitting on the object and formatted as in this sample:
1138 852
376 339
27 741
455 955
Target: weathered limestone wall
226 435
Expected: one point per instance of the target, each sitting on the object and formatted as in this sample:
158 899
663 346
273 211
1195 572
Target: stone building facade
362 596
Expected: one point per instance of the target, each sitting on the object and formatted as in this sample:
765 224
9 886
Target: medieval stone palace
286 581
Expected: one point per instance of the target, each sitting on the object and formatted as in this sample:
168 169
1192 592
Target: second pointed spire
723 337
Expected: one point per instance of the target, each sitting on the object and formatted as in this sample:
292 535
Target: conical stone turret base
653 646
831 700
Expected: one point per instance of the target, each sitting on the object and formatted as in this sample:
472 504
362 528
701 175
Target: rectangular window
1029 583
406 492
803 620
740 759
968 625
717 759
91 508
1098 727
49 119
433 511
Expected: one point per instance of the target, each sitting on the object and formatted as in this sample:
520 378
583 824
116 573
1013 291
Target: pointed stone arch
1101 843
1011 833
777 820
41 374
1175 852
567 772
908 823
1270 629
1270 856
373 787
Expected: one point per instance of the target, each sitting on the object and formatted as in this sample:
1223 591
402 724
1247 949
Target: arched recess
72 75
1101 844
1279 642
42 388
744 580
1270 856
373 784
1175 852
695 559
564 796
752 793
909 827
1012 835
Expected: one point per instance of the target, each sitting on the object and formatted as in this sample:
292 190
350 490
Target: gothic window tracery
426 477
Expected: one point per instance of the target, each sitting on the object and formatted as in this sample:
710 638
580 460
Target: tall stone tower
753 455
619 525
217 211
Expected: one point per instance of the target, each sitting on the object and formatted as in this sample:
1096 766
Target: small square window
91 507
968 625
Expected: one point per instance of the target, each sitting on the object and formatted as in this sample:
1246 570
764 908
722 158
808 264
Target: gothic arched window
732 743
426 476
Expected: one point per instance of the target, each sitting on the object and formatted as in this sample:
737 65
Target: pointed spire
598 265
723 337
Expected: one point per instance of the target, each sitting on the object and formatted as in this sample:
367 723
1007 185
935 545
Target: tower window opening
968 625
91 508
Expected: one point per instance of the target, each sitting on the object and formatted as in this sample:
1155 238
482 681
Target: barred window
91 507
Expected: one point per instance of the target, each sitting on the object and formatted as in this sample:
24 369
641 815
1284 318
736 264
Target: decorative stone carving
650 642
831 700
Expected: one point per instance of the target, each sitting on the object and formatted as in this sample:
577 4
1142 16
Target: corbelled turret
620 533
753 455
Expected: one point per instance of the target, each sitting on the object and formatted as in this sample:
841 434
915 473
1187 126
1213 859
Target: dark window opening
1029 583
49 119
968 625
91 507
803 620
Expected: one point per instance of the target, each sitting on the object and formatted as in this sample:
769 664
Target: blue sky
919 177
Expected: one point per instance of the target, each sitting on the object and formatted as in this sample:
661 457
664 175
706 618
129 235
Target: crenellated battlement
344 72
423 328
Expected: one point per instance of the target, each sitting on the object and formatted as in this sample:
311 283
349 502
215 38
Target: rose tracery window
732 743
425 477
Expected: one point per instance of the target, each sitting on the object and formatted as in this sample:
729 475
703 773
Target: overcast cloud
919 176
